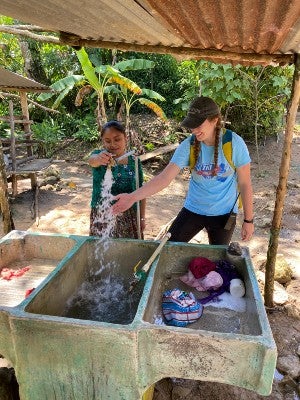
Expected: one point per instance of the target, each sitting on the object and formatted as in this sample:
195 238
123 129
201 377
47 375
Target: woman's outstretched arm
246 191
159 182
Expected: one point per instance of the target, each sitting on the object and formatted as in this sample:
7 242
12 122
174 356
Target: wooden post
8 223
282 186
138 207
14 181
27 130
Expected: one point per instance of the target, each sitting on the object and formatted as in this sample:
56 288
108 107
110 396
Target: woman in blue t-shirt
215 184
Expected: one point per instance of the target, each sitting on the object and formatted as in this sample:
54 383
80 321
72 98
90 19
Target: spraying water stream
104 296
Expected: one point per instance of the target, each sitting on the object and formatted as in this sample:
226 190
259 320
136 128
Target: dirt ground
63 207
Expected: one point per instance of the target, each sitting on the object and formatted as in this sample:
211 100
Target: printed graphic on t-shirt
207 171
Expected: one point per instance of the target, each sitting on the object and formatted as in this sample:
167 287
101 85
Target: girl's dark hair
197 147
113 124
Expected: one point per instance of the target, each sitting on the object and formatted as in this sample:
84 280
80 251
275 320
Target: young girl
114 143
215 183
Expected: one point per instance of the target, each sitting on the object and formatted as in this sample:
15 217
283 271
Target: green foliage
149 146
265 95
10 52
51 133
63 87
162 78
87 130
59 61
240 91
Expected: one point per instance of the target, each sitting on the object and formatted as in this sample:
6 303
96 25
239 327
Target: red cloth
28 291
8 274
201 266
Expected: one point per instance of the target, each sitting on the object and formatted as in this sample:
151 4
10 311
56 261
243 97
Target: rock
49 187
292 310
283 271
52 171
280 296
4 363
235 249
50 180
289 365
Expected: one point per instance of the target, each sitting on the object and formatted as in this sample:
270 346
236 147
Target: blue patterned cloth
180 308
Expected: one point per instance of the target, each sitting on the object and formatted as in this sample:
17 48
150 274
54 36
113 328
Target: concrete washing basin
65 347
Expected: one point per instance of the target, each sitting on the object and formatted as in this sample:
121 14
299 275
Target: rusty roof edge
292 40
183 52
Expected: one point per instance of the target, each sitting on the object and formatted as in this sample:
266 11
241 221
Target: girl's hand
104 158
123 201
247 231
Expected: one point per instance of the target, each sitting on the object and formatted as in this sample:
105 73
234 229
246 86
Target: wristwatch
249 221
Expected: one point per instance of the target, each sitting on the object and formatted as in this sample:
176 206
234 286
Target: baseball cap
200 109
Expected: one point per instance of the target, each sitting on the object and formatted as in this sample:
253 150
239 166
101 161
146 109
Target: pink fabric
8 274
212 280
189 279
201 266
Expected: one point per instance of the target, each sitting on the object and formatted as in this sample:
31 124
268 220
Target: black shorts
187 224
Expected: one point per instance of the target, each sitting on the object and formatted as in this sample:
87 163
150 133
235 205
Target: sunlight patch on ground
57 220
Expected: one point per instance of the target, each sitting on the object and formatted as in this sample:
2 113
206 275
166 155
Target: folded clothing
180 308
201 266
213 280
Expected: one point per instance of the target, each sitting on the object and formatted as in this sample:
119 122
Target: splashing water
104 212
105 300
103 296
107 220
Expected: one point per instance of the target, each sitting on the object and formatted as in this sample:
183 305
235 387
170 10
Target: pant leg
185 226
215 229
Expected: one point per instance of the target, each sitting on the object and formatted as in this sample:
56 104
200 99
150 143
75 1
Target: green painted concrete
59 358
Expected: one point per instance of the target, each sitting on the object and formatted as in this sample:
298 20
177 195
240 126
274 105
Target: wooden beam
184 52
158 152
17 121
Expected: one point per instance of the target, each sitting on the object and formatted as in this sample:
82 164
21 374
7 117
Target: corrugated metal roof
11 81
241 31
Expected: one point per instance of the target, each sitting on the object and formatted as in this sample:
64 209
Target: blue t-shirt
208 194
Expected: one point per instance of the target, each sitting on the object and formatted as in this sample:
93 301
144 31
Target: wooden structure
21 158
18 152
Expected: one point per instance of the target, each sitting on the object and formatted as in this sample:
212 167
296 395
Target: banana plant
99 79
129 98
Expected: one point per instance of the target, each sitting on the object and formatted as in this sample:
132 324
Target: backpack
226 147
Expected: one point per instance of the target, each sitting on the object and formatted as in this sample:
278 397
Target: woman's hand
103 158
247 231
123 202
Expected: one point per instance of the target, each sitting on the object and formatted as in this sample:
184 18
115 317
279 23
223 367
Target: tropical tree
106 80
